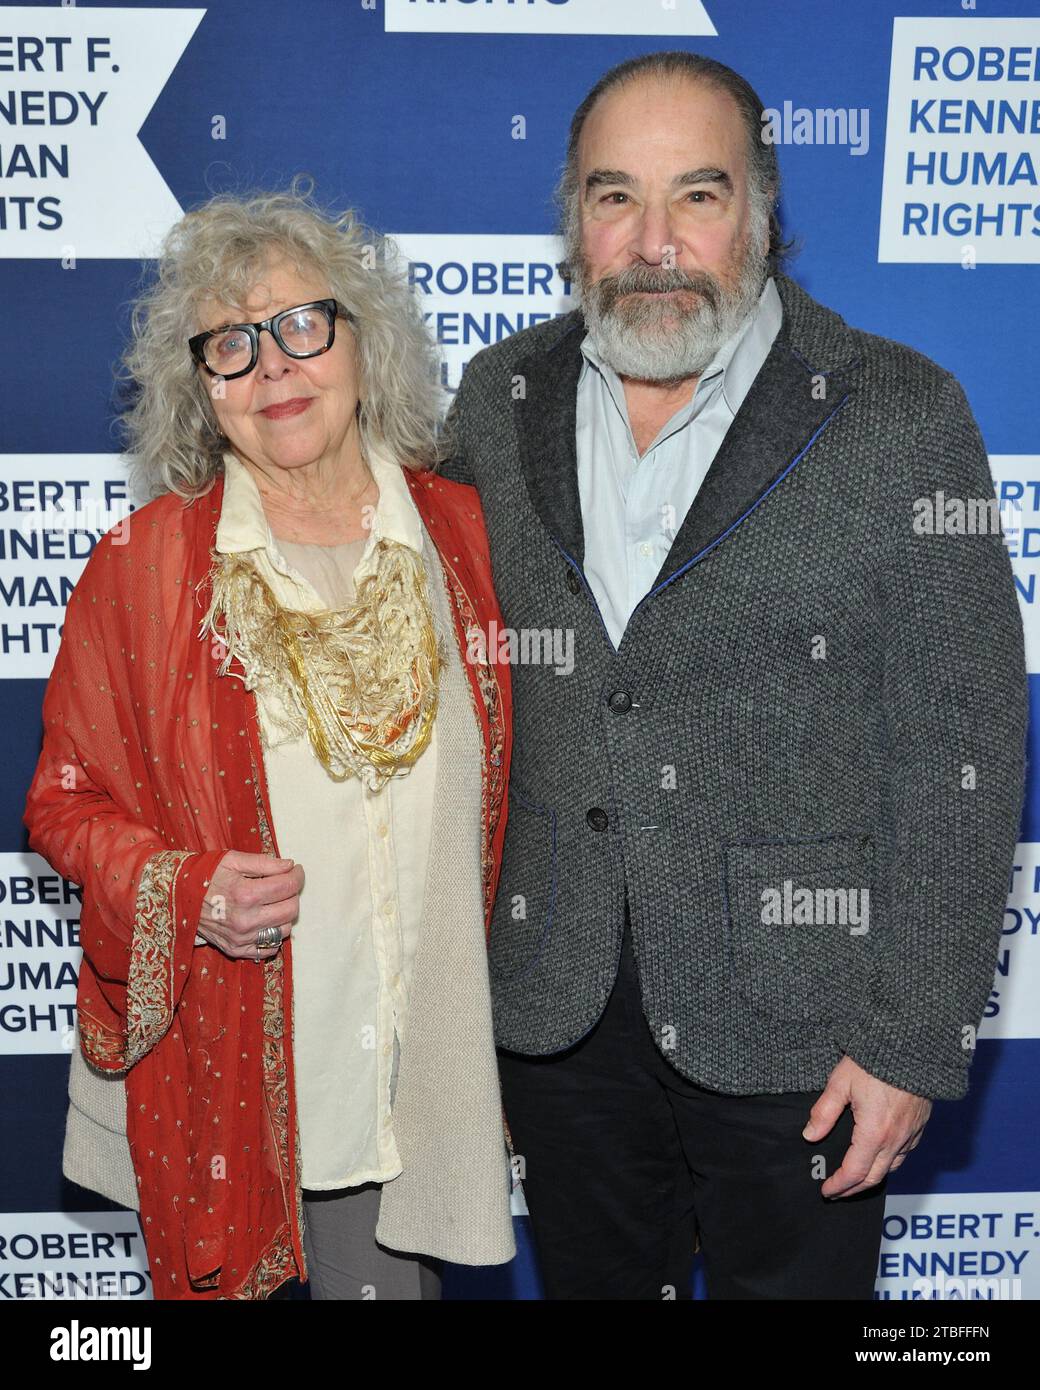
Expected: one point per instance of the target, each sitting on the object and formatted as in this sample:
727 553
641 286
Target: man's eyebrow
617 178
706 175
595 178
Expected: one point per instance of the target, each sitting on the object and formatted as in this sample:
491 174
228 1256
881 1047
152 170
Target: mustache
645 279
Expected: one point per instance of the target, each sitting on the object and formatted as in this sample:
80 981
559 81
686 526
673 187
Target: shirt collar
733 368
243 524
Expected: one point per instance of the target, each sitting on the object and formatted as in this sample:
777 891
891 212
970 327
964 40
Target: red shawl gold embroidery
151 769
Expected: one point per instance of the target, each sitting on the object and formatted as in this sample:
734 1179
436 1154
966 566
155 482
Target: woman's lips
285 408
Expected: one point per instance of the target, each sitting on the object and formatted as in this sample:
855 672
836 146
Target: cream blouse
364 854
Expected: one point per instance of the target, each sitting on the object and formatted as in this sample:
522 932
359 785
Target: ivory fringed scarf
361 681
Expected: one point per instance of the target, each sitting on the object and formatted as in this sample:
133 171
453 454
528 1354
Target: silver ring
268 936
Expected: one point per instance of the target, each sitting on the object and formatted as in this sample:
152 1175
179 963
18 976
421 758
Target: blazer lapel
789 404
804 382
546 417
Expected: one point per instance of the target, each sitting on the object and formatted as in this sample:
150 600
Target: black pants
625 1161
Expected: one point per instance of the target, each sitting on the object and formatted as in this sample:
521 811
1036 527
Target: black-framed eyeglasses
304 331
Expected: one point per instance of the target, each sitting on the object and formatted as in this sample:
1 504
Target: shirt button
383 830
388 908
387 1050
645 548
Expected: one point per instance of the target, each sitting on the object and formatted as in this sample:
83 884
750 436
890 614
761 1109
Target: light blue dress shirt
632 507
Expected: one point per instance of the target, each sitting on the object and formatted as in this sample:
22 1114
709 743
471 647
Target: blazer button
597 818
620 701
573 582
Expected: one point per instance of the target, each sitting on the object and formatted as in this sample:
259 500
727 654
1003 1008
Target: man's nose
656 238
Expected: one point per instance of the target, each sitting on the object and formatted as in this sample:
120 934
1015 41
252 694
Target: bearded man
760 836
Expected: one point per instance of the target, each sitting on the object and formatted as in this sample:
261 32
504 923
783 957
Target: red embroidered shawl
151 769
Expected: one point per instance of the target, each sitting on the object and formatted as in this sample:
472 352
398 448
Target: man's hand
247 892
887 1125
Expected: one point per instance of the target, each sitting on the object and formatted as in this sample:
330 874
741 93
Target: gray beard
665 340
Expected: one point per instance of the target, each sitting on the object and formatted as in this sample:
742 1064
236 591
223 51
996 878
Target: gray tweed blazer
815 710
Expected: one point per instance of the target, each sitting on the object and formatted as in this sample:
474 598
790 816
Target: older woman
274 757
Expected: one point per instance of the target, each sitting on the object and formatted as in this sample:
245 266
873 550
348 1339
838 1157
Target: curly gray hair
217 251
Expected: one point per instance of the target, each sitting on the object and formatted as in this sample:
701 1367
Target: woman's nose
271 360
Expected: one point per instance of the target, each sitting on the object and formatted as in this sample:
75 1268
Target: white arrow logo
76 85
669 18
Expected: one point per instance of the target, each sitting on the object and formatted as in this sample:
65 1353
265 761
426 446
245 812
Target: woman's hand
247 892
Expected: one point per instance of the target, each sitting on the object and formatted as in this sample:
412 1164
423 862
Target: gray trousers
343 1259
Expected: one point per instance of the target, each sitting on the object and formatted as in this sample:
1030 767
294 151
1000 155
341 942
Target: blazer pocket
521 920
798 922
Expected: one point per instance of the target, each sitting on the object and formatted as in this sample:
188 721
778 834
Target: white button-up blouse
364 855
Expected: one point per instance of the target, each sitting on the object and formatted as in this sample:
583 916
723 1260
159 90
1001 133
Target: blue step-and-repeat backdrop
910 151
